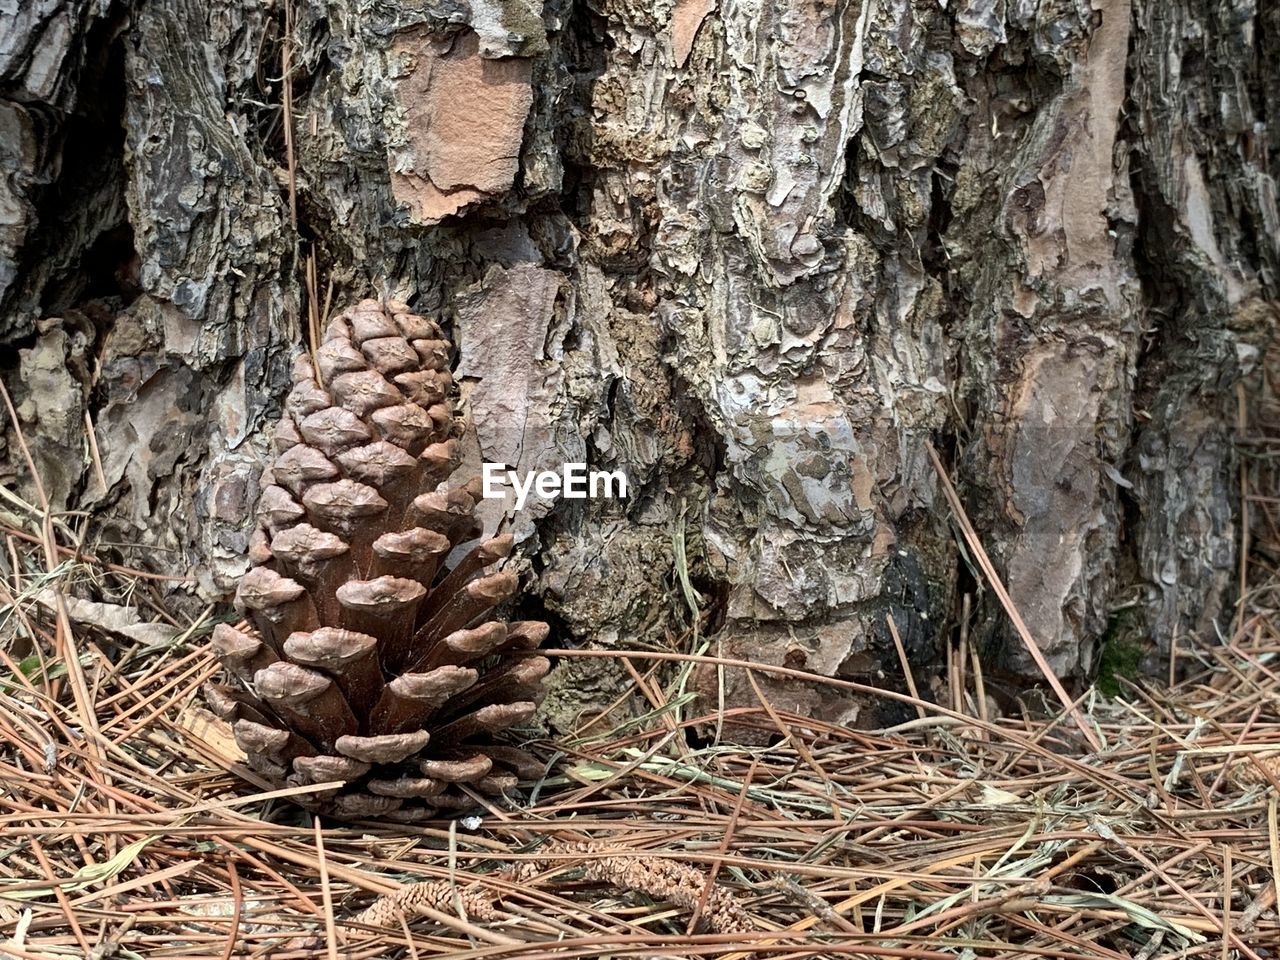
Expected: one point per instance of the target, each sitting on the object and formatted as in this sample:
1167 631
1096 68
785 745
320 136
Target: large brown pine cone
365 657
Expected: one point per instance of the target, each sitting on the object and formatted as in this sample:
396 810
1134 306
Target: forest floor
129 828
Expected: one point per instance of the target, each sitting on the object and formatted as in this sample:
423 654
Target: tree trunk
758 256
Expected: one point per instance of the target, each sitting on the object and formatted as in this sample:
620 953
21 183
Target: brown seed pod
368 663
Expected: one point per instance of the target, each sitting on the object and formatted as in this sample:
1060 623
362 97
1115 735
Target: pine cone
364 657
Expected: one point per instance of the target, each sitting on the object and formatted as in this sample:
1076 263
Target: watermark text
573 482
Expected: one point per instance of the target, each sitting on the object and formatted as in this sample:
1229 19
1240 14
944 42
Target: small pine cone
1256 770
366 658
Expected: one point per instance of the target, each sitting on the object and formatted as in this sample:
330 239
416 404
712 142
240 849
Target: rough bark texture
756 255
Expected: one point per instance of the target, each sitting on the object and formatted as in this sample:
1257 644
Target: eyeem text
573 482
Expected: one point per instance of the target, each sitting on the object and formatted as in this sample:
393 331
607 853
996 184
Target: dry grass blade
906 667
997 585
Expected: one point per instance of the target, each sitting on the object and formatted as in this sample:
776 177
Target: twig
906 668
997 585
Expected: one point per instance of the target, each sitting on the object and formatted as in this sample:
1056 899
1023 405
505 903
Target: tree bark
759 256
